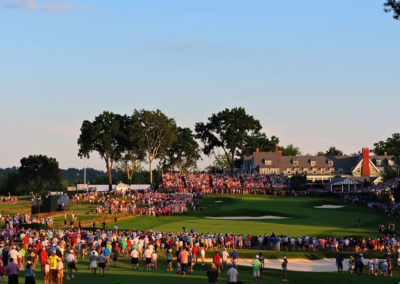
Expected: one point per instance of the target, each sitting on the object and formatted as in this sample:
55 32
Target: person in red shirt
195 250
43 258
217 260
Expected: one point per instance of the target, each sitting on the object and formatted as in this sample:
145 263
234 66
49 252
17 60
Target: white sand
299 264
248 218
327 206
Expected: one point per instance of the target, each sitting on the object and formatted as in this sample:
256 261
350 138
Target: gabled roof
347 163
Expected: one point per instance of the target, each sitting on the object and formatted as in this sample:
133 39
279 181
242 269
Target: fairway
301 217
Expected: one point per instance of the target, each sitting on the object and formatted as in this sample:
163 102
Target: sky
315 73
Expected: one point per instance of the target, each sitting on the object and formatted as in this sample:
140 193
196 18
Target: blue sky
315 73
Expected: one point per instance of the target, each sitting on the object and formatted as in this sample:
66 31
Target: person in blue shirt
235 257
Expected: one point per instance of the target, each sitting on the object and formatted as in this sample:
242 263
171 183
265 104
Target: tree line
127 142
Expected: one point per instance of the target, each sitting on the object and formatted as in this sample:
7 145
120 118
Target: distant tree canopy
40 171
332 151
392 6
227 130
183 153
258 141
391 146
290 150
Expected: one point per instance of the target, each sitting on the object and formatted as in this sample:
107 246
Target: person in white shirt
232 275
154 258
135 259
225 257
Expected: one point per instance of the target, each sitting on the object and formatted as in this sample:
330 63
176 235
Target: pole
84 171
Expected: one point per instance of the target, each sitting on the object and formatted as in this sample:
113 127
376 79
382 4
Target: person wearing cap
169 260
284 268
225 257
46 272
29 273
53 267
12 271
60 271
256 269
212 274
232 275
70 259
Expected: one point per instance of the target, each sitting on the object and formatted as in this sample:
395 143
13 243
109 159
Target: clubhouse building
321 169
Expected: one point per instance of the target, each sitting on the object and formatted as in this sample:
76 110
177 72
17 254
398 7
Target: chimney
385 154
258 150
276 148
280 152
365 162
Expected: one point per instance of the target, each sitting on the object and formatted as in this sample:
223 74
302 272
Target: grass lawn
303 219
124 275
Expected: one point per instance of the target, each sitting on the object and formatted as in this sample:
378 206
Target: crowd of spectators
149 203
240 183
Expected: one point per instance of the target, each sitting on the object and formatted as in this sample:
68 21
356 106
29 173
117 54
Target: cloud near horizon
37 5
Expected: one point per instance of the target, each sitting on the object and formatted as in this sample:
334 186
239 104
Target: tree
158 132
392 6
332 151
389 174
228 130
105 135
391 146
290 150
259 141
40 170
183 153
135 151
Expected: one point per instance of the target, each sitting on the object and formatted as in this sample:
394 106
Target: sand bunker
248 218
298 264
327 206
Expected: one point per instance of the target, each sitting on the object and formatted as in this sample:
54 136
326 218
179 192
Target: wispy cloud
38 5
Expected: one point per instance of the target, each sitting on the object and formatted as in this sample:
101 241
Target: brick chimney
365 162
276 148
385 154
258 150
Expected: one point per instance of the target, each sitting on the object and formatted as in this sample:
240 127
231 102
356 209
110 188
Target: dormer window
330 163
268 162
295 163
313 163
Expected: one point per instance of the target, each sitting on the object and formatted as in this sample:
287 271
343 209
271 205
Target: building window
313 163
330 163
322 170
288 170
340 170
268 162
305 170
314 170
295 163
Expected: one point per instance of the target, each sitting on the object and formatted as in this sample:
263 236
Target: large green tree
158 132
391 146
40 171
259 141
106 134
393 6
227 130
183 153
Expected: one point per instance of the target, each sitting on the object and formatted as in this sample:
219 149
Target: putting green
303 218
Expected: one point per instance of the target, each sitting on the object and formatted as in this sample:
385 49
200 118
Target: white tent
140 186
